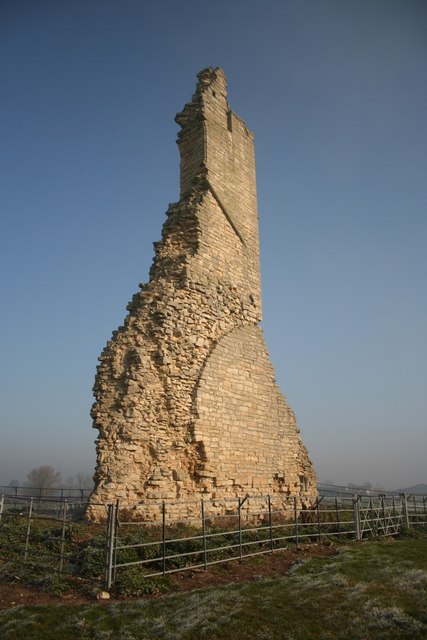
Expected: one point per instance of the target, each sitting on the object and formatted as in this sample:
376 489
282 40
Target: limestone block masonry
186 401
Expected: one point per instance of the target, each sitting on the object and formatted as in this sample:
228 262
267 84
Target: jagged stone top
210 77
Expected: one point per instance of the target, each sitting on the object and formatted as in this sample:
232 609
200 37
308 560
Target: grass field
371 590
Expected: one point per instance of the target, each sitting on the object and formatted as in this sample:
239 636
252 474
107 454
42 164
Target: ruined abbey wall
186 401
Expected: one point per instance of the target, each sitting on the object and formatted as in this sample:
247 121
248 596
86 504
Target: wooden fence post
205 553
240 528
384 515
64 524
337 512
270 524
111 524
356 515
318 518
27 537
164 537
405 510
296 520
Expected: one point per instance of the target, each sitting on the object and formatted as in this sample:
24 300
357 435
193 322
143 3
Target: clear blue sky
336 94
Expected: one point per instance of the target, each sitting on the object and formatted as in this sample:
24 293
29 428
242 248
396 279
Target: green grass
371 590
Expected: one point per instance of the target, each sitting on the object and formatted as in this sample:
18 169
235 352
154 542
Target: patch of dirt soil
14 595
255 568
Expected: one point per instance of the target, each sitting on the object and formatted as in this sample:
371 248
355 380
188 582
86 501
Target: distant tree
84 481
80 481
13 484
43 478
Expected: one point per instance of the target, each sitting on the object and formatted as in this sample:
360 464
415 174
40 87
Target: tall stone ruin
186 400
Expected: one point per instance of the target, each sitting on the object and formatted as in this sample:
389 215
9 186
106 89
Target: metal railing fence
247 527
72 494
51 532
47 534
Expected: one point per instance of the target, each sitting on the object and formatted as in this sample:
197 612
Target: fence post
27 537
415 509
384 516
405 510
111 522
395 527
270 525
64 523
337 511
205 554
240 528
374 528
296 520
164 537
318 519
356 515
1 506
116 536
240 505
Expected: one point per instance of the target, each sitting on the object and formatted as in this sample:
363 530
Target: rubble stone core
186 401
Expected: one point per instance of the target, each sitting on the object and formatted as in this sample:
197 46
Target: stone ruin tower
186 400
